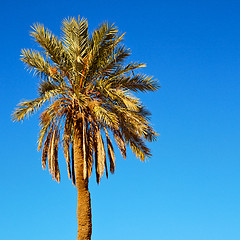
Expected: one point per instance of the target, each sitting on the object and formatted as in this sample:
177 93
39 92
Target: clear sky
189 189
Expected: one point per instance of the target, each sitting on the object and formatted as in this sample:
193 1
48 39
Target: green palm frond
52 46
138 83
76 38
122 71
46 86
28 107
103 42
136 144
124 98
105 116
51 87
118 56
36 61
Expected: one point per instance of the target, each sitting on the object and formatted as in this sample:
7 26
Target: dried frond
56 173
66 144
46 147
100 156
73 169
106 168
90 149
84 147
136 143
111 154
50 153
120 142
45 123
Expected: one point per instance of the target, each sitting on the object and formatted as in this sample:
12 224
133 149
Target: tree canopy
87 84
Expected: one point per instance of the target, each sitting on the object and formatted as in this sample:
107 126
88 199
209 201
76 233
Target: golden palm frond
105 116
52 46
36 61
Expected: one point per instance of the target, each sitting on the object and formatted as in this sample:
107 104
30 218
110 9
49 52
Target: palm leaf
100 156
111 154
66 144
120 142
90 148
73 169
52 46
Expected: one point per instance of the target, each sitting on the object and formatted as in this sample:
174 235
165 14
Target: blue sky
189 189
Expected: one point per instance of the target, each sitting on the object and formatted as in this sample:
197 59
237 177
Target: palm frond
34 60
56 173
66 143
120 142
29 107
84 149
73 169
103 42
123 71
45 123
46 147
111 154
124 98
105 116
90 148
52 46
136 143
76 38
100 156
137 83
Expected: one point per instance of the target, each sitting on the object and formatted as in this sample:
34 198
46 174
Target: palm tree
86 92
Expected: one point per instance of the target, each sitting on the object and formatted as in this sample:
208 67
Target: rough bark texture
84 216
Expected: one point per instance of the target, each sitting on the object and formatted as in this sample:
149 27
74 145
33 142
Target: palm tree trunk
84 216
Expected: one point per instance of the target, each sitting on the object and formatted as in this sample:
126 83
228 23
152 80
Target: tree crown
86 86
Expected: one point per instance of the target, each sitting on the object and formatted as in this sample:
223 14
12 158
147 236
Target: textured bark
84 216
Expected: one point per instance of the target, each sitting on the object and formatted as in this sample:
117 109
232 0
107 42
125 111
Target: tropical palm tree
86 92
